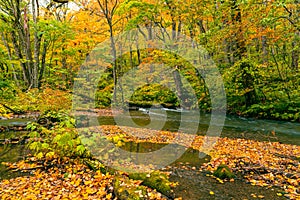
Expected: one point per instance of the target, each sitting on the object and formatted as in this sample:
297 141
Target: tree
15 15
28 34
108 9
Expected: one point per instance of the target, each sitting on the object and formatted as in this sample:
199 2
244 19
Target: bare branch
290 13
61 1
291 21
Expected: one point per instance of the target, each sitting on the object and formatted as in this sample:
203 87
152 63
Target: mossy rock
155 180
138 176
223 172
96 165
128 191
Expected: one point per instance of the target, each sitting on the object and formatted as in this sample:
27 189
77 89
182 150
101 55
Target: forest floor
263 169
266 170
258 163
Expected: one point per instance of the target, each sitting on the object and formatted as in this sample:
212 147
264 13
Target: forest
63 62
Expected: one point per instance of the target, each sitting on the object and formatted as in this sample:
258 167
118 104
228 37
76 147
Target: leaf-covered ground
70 181
261 163
265 164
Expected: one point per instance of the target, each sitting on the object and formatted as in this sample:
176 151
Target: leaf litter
261 163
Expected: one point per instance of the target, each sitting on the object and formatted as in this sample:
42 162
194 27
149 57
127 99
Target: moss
128 191
155 180
138 176
223 172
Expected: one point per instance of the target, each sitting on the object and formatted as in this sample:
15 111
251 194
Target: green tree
28 36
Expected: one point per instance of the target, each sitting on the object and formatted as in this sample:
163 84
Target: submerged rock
223 172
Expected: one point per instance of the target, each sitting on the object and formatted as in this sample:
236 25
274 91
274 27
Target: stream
11 152
193 184
234 127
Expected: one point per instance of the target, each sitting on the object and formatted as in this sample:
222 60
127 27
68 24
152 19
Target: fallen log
14 141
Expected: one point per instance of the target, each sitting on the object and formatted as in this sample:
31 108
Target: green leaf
40 155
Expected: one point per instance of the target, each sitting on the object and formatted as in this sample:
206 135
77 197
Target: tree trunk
43 62
109 12
10 57
295 52
240 53
179 29
236 16
114 53
18 53
264 49
179 87
37 41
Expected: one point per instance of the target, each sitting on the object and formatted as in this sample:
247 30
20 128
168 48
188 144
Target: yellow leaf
40 155
108 196
90 190
253 195
119 144
211 193
87 182
78 181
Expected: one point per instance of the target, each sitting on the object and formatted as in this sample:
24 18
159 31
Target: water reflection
190 156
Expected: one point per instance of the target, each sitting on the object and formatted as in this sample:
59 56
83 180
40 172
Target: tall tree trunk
295 52
43 62
37 41
202 29
27 48
10 57
240 53
173 29
179 87
18 52
109 12
236 16
264 49
179 29
114 53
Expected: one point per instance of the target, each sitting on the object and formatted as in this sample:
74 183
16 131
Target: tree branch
12 110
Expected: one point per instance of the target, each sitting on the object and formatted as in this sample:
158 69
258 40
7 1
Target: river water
234 127
14 122
193 184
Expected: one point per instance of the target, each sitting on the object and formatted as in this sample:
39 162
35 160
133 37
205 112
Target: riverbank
71 179
259 163
263 169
